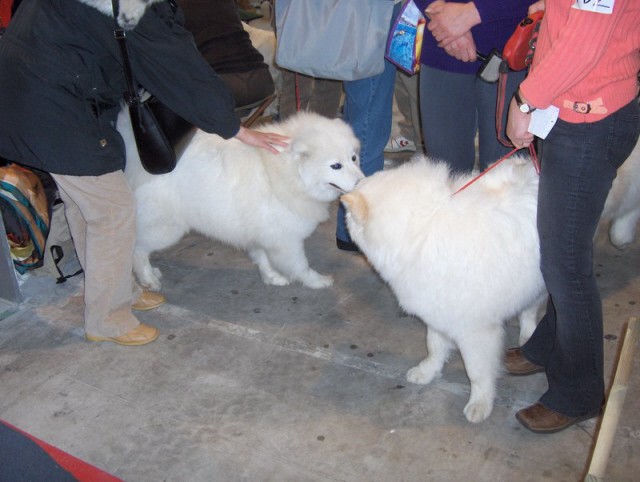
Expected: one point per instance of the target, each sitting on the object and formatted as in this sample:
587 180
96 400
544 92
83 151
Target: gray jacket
61 81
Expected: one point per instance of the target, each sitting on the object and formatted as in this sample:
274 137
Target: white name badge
597 6
543 120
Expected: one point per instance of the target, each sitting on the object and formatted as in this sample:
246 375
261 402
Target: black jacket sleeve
167 63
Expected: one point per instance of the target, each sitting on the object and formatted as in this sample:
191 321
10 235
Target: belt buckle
582 107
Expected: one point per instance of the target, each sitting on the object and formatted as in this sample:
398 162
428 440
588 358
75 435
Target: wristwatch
524 107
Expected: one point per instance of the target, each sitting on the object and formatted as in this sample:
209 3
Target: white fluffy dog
463 263
263 203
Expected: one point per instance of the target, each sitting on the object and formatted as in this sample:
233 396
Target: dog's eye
336 166
354 158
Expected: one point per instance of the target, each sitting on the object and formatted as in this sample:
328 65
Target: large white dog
463 263
245 196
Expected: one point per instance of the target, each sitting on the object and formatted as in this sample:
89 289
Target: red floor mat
24 457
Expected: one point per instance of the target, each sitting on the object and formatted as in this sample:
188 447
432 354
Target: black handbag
161 135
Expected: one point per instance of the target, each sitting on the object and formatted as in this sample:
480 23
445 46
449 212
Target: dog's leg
291 260
155 238
269 275
438 347
147 275
158 227
623 229
481 352
528 319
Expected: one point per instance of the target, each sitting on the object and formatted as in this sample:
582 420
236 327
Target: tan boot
148 300
141 335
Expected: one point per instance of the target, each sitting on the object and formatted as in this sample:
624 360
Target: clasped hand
450 24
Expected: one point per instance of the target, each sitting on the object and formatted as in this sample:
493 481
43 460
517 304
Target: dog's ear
299 148
357 206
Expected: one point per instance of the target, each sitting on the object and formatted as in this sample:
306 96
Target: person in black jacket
61 88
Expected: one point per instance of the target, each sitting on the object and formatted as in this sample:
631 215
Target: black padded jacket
62 83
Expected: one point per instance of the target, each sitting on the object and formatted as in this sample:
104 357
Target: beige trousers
100 211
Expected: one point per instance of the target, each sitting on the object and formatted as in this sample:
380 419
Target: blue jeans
578 166
453 108
368 110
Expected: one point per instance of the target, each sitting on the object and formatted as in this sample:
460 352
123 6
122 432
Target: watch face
524 108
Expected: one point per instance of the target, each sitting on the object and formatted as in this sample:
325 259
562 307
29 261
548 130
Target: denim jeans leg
368 110
579 163
449 117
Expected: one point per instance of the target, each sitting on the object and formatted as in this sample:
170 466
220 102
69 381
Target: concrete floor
249 382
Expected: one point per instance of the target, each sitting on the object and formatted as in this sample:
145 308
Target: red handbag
519 49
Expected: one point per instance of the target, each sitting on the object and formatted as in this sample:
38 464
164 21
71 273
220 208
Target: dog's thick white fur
463 264
468 262
263 203
622 209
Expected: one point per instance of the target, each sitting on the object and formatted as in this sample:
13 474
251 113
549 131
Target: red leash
534 159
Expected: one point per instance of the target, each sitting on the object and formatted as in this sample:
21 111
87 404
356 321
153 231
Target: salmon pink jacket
586 63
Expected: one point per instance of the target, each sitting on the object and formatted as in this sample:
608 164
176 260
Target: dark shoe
347 245
516 364
541 419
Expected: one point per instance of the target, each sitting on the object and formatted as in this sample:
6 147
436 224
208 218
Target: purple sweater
499 20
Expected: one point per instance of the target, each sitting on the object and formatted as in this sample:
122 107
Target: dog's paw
317 281
478 411
622 233
526 330
150 279
151 284
274 279
421 377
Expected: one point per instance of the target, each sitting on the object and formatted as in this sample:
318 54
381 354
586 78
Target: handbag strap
130 96
502 103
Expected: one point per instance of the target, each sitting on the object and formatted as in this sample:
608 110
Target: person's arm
166 62
577 49
448 21
463 48
518 124
265 140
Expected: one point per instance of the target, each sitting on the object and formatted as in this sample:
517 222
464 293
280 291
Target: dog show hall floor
249 382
